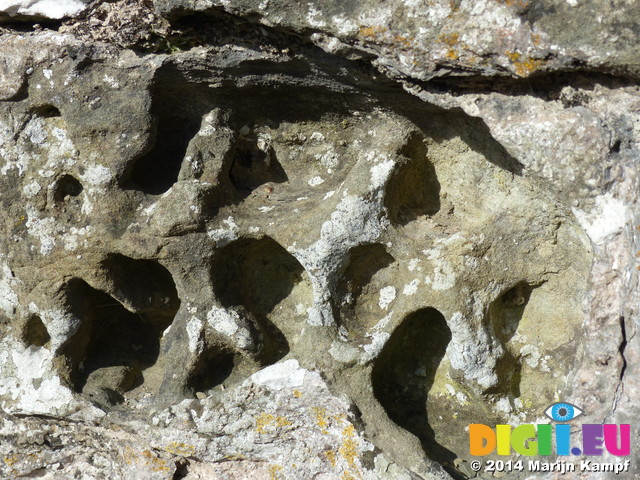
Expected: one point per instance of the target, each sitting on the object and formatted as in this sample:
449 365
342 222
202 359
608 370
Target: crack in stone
621 349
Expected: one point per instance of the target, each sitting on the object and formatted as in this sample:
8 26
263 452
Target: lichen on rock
257 240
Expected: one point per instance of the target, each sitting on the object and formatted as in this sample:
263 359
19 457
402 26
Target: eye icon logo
563 412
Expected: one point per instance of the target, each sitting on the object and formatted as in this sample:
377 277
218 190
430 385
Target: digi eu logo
539 439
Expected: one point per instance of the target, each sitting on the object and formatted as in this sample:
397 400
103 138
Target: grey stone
442 38
247 240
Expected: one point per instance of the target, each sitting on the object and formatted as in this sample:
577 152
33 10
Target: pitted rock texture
244 241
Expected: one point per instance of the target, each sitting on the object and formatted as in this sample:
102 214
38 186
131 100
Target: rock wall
312 241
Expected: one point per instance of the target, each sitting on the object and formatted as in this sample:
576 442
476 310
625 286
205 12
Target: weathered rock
41 9
423 40
243 240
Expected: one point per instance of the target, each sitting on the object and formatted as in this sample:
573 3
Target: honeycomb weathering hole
505 314
35 332
145 287
118 338
66 186
413 189
156 171
405 371
261 276
177 111
253 166
46 111
357 291
214 365
109 336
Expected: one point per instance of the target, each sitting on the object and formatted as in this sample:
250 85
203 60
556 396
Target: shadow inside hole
144 286
155 172
176 116
35 332
112 345
509 373
260 105
404 373
45 111
363 262
258 275
505 314
253 166
180 99
213 367
413 189
66 186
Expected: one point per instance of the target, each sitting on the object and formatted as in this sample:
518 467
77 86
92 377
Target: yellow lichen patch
331 456
266 419
273 471
297 393
263 420
524 65
181 449
450 39
155 463
513 56
129 455
320 415
515 3
282 422
371 32
235 457
528 66
147 459
347 476
11 460
349 447
405 41
340 418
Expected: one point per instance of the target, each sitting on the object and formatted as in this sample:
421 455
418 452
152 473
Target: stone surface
44 9
436 38
247 241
